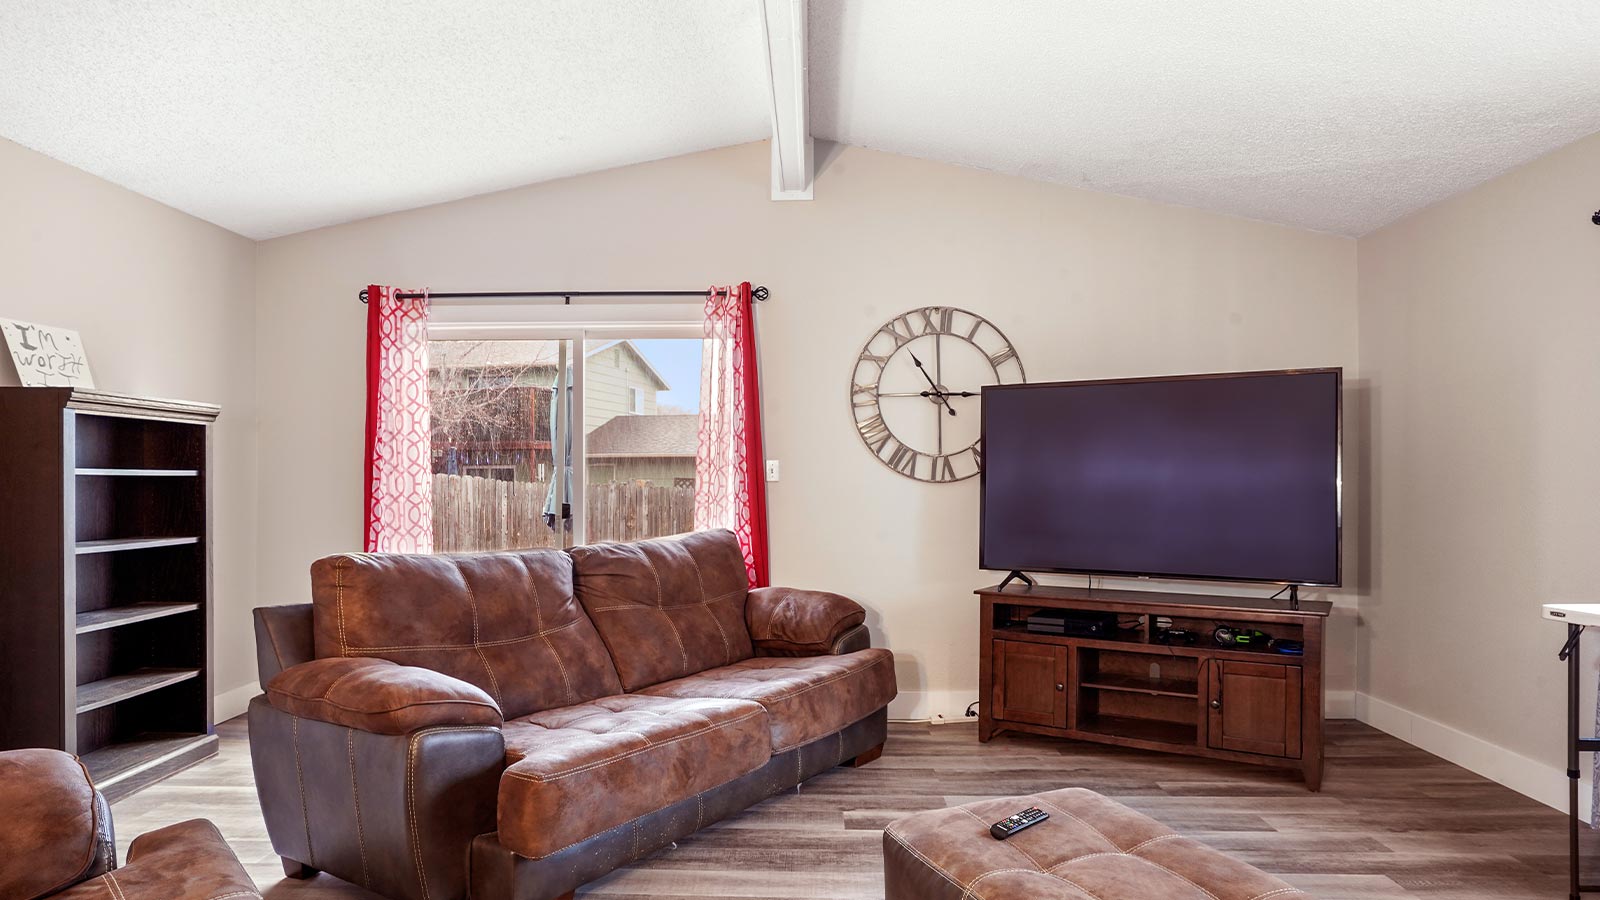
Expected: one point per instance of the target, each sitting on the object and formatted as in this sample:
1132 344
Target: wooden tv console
1250 706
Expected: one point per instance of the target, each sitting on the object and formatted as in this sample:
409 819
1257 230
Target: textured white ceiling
274 116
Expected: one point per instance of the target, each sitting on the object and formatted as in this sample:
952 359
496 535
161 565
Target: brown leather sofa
56 841
513 725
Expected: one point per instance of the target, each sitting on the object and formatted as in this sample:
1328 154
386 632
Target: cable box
1075 623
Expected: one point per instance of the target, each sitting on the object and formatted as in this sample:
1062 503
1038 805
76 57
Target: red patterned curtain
729 488
399 477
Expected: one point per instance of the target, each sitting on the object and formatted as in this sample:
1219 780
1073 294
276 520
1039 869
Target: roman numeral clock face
914 393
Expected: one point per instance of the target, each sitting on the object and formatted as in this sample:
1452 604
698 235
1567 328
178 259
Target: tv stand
1139 687
1017 574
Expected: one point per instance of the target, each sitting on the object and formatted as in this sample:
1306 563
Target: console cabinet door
1030 683
1254 708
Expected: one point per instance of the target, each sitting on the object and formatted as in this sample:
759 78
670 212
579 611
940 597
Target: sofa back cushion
506 622
667 608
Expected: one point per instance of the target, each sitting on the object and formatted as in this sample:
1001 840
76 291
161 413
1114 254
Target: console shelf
1161 687
106 587
1127 688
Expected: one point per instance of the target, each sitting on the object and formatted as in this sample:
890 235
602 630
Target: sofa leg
298 870
870 755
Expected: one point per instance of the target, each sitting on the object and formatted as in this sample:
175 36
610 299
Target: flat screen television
1225 477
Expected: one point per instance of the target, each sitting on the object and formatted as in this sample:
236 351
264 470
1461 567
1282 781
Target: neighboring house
494 421
657 449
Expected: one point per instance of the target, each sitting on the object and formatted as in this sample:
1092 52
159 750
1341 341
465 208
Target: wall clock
914 391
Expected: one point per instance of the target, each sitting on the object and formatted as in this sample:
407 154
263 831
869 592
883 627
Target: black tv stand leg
1016 574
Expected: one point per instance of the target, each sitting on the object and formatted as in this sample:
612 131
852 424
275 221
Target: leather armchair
57 842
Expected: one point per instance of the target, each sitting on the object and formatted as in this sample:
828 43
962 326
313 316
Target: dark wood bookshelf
1127 688
105 597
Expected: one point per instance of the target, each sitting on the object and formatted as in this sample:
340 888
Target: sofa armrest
379 696
792 622
186 861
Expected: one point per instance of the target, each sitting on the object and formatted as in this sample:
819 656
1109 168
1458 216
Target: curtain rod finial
761 292
363 295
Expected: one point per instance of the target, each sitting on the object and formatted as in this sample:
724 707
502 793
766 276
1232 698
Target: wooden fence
472 513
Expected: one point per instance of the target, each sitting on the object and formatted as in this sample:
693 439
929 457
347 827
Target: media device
1010 825
1223 477
1241 638
1073 622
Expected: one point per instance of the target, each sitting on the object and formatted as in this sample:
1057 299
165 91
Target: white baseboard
931 706
229 704
1339 704
1525 775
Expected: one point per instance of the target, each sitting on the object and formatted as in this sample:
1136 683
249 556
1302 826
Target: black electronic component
1029 817
1078 623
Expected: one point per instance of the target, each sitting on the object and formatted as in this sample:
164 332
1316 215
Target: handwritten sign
46 356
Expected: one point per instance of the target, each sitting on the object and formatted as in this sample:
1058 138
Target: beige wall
1085 284
1479 326
164 303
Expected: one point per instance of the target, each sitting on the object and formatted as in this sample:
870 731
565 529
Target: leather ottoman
1091 848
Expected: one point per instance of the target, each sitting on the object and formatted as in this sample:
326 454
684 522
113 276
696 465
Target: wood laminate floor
1391 821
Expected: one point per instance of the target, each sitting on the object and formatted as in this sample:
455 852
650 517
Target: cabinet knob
1216 704
1061 687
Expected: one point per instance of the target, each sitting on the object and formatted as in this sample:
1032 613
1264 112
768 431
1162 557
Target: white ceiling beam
793 163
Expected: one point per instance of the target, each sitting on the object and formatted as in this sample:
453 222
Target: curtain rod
758 294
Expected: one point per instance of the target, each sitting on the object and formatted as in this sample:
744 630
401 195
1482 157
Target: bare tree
483 390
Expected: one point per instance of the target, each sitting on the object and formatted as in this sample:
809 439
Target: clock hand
938 395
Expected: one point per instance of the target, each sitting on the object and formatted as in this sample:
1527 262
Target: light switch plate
772 470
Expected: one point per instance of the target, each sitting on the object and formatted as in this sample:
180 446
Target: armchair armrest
186 861
792 622
379 696
57 827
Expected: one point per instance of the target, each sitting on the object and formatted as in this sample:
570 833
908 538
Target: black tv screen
1231 477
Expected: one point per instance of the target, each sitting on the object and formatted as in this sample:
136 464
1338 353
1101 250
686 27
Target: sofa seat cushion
580 770
806 697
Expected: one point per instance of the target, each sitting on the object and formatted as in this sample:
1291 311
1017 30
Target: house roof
534 354
675 435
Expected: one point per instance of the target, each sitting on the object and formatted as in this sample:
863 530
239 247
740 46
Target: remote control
1007 827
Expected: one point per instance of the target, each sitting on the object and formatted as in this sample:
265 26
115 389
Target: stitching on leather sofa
338 600
734 595
411 792
727 648
355 794
472 604
300 779
354 651
392 709
683 649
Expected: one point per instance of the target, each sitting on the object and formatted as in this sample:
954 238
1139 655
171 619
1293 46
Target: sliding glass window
536 444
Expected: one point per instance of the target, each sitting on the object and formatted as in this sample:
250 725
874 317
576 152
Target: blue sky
678 361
